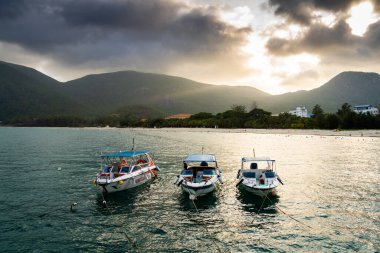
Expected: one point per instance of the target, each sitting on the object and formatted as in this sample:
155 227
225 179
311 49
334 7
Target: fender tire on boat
241 181
180 182
238 174
279 180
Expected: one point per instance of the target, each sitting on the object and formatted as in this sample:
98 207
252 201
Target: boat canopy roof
126 153
200 158
257 159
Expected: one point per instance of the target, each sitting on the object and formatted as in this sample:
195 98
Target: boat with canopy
200 175
257 175
125 170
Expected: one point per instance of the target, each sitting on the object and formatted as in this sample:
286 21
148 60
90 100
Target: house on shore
179 116
366 109
300 111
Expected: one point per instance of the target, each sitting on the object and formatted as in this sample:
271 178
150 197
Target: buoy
220 179
72 206
94 181
120 182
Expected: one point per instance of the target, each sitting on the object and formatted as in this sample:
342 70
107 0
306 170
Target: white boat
125 170
200 175
257 175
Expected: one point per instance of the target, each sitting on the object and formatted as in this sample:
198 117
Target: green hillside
354 88
25 92
111 91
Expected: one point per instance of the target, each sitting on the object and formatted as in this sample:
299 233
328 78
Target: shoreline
316 132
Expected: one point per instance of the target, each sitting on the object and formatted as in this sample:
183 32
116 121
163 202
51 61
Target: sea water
330 200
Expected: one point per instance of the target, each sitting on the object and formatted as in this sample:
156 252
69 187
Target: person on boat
124 162
204 164
261 179
141 161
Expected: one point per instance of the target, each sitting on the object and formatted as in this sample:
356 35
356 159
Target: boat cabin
258 168
122 163
199 167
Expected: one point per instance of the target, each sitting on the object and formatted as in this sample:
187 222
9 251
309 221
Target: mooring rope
205 226
282 211
126 235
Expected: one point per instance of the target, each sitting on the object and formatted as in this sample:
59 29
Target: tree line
236 117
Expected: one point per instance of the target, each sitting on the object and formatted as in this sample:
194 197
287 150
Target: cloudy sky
274 45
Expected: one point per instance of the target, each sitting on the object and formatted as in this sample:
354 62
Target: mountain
27 92
108 92
354 88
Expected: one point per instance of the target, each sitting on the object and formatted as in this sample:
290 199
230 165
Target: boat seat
199 177
253 166
204 164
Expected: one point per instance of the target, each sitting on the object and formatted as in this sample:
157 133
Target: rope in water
282 211
205 226
126 235
166 222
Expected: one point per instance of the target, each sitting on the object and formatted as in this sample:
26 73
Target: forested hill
355 88
25 92
110 91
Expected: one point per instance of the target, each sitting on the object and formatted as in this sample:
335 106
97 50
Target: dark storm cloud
127 15
335 45
317 39
12 8
301 11
89 30
372 36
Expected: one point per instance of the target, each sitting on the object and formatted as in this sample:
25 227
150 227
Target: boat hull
198 191
262 192
122 184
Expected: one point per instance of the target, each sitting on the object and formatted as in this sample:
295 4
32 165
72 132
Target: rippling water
331 189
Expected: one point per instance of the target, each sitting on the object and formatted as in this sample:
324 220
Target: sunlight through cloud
362 16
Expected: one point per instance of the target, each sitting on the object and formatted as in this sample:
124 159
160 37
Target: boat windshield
106 169
208 172
125 169
258 165
135 168
249 174
270 174
187 173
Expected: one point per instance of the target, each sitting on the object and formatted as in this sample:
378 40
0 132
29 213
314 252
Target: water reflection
256 204
121 202
208 201
162 219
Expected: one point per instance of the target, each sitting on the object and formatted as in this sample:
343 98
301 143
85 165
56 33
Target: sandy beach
317 132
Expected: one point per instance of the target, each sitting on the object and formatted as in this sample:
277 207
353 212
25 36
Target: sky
274 45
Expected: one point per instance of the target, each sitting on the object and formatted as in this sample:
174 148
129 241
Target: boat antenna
253 150
202 149
133 144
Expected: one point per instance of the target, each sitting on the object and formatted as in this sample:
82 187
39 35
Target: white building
366 108
300 111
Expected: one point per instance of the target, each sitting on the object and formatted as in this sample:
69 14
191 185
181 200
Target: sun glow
239 17
362 16
268 72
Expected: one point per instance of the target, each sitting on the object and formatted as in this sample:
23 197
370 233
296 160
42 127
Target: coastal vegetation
236 117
